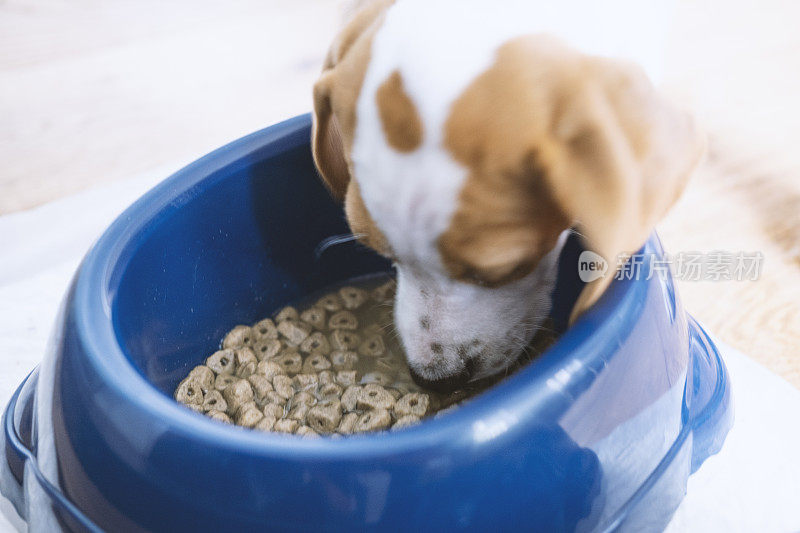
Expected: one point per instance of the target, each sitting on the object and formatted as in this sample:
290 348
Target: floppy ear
326 140
336 93
624 156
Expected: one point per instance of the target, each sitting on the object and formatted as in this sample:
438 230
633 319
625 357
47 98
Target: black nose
445 384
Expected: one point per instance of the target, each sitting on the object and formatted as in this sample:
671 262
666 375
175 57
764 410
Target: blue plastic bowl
600 432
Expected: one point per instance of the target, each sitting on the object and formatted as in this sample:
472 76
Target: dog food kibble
285 425
244 355
283 386
343 320
245 359
305 431
214 402
189 392
261 387
326 376
316 343
204 376
345 378
330 367
266 423
305 398
330 303
342 339
293 331
249 417
304 381
350 397
412 404
291 362
269 369
376 377
325 416
236 394
405 421
316 363
347 423
373 420
219 416
329 391
299 412
222 361
244 407
287 313
267 348
223 380
384 293
245 371
372 346
238 336
344 360
315 317
374 396
274 410
265 330
353 297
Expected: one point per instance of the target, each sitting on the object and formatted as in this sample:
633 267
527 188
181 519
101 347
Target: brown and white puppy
465 139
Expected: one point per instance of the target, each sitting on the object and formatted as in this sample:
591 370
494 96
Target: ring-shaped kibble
271 375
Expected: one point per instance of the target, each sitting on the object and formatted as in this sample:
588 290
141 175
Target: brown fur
399 117
553 138
335 96
506 219
361 222
336 93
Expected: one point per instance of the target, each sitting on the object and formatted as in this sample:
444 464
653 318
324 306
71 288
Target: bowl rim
593 335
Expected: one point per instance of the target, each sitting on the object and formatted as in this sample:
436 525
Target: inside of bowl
230 249
236 247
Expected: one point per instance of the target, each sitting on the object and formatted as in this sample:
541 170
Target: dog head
465 160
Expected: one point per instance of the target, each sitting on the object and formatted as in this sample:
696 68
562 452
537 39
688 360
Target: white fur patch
484 327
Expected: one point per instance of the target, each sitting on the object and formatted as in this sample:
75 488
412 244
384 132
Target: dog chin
500 358
485 362
455 329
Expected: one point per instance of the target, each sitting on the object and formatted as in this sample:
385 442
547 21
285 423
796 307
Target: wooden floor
738 66
99 90
93 91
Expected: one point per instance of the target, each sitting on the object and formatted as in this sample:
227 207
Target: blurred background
119 93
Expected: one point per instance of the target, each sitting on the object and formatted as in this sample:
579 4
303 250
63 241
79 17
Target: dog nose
445 384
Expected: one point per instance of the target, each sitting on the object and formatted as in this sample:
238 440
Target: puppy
466 137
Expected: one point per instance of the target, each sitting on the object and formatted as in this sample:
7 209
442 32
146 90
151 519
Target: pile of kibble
326 370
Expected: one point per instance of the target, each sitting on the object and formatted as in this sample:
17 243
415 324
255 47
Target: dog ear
326 140
623 158
336 92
